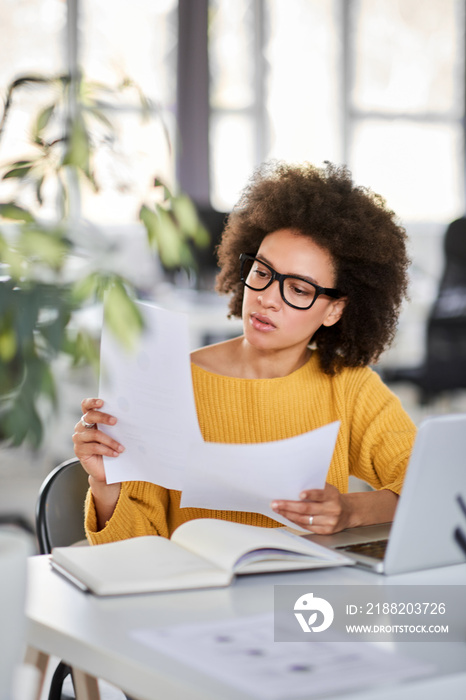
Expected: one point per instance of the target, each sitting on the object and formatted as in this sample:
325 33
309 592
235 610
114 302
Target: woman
317 269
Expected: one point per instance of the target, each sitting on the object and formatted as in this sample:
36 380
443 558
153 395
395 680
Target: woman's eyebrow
292 274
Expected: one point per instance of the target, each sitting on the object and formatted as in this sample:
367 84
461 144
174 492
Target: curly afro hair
366 243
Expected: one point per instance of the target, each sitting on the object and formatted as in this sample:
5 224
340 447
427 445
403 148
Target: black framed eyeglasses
295 291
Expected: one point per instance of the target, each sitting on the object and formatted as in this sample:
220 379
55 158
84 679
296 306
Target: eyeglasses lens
297 292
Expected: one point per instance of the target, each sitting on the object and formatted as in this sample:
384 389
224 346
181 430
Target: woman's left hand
322 511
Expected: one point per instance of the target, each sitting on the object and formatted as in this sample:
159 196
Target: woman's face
270 323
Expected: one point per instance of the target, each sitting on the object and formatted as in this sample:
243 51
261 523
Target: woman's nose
271 297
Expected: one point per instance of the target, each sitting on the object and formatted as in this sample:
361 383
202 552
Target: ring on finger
311 519
86 424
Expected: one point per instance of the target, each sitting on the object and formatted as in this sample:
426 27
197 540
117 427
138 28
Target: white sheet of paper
150 392
248 477
241 652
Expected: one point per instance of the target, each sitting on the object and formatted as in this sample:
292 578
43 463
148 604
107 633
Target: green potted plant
48 269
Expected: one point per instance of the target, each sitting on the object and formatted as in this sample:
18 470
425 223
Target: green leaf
54 331
20 421
167 195
187 260
201 237
21 163
13 426
15 262
83 348
8 344
10 210
62 193
186 213
85 289
18 172
150 221
26 304
78 151
189 223
39 183
123 316
163 235
41 122
44 247
169 240
48 386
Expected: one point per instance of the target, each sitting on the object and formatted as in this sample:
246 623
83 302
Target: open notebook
202 553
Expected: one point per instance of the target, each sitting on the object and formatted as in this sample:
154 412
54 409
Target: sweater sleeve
382 436
141 510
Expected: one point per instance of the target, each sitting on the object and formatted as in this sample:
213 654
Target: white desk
91 634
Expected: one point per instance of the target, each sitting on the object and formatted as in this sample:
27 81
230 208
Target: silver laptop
429 512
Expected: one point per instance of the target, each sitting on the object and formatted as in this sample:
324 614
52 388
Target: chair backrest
454 246
60 506
445 361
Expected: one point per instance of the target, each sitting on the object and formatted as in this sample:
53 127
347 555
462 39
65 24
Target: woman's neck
257 364
237 358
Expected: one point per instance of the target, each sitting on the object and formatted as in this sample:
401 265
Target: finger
300 518
318 495
95 416
320 524
88 436
91 449
297 507
88 404
300 509
329 492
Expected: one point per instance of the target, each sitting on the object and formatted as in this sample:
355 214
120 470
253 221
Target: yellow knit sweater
374 441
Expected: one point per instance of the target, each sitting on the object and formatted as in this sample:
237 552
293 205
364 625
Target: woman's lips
261 323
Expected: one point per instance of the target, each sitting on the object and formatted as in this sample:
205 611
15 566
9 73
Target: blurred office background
376 84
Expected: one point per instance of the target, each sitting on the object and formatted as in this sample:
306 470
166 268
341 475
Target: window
236 119
110 42
135 41
32 44
377 84
406 104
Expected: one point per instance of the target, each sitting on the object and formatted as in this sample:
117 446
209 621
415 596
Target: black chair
444 365
460 534
214 221
59 523
60 506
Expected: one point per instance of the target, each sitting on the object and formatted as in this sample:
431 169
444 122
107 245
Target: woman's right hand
90 445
